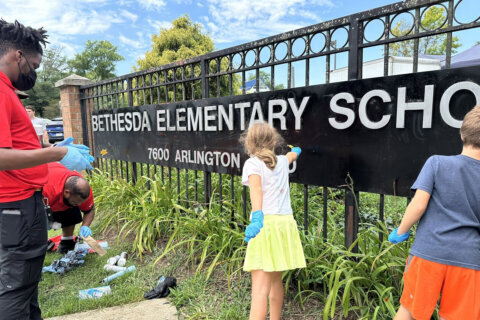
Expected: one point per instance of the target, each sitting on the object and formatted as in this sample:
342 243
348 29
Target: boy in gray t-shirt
39 124
445 256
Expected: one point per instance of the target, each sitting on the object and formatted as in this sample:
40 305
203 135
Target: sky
129 24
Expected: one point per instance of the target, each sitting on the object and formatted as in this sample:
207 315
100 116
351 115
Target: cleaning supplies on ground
113 260
122 260
53 243
95 246
94 293
111 268
162 289
103 244
119 260
118 274
69 261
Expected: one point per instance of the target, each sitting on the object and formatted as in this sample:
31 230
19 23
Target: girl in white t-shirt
272 235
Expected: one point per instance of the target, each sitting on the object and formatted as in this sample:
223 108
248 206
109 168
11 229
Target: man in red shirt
68 193
23 172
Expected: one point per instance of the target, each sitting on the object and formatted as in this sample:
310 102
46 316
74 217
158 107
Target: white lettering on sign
180 119
129 121
349 113
277 115
426 106
447 96
209 158
403 107
362 109
205 118
241 107
225 117
298 111
161 120
95 123
161 154
343 106
209 117
257 114
195 122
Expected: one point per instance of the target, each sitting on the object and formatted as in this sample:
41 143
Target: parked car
55 130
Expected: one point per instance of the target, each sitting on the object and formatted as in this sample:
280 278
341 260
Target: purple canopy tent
467 58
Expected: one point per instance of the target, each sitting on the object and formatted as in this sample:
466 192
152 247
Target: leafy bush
363 285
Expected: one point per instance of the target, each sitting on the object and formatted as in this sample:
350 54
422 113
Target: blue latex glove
396 238
84 150
255 225
297 150
74 160
68 143
85 232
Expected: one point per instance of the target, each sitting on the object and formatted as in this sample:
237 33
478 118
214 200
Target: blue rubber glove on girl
297 150
256 224
394 237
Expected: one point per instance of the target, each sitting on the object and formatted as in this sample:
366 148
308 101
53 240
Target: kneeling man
67 193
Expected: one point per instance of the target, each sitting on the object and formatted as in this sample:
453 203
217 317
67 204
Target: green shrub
366 285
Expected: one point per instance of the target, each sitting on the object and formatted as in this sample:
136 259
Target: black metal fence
302 57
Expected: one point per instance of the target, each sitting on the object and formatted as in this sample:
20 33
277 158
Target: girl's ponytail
267 156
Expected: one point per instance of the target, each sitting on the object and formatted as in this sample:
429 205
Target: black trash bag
162 289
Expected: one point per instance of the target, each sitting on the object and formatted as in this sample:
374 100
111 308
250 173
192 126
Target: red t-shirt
17 132
53 190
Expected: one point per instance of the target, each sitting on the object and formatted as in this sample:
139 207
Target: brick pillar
70 103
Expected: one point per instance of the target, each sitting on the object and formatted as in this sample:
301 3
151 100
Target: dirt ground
146 310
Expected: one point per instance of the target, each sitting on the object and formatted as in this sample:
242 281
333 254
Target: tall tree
97 61
437 44
182 41
54 65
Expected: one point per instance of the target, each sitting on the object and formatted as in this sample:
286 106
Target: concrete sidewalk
156 309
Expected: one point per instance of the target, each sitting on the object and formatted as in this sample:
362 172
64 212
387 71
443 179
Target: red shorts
425 281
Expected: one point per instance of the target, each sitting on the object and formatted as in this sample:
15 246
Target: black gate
380 150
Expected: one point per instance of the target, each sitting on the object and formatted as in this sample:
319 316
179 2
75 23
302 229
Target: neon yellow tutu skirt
277 247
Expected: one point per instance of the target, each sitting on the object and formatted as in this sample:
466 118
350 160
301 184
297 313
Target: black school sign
379 131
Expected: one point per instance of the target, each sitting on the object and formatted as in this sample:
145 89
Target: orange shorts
425 281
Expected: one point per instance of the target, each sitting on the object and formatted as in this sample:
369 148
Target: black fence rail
303 57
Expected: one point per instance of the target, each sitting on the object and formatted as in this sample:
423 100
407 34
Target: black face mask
25 81
66 202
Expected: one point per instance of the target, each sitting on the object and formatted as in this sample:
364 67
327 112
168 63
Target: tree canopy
436 45
182 41
97 61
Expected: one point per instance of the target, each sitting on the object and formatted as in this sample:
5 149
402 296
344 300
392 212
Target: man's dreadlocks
18 37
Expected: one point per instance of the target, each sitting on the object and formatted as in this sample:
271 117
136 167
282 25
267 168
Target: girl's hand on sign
293 154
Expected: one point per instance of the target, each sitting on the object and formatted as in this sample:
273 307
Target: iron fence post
351 219
134 173
354 64
206 175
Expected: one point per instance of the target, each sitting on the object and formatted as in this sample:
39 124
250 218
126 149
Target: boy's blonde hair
260 140
470 130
